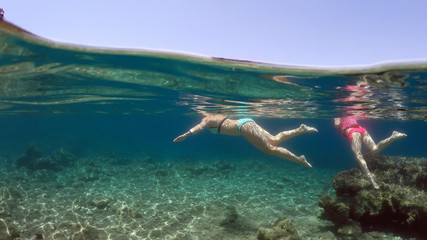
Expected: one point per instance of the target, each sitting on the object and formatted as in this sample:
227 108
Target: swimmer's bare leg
356 147
285 135
376 148
257 137
284 153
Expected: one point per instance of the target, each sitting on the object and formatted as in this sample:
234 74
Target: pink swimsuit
350 122
359 130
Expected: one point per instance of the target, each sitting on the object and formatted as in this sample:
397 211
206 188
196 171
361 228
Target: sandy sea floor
108 197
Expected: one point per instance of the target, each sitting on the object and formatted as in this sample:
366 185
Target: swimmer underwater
350 128
255 134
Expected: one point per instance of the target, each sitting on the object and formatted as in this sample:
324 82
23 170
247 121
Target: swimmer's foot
375 185
306 129
398 135
302 161
384 143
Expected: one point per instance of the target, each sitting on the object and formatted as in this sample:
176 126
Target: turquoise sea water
103 121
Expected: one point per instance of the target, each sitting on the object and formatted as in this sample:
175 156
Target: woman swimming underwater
254 133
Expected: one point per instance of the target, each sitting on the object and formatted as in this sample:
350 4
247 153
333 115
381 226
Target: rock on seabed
282 230
399 206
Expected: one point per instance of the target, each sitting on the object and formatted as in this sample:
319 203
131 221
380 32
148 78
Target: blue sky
317 32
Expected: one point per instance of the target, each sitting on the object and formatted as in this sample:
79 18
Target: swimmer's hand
181 137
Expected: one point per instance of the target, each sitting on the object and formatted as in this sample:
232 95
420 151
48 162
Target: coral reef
282 230
34 159
399 206
31 155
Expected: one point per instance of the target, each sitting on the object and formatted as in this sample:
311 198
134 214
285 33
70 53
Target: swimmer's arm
196 129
